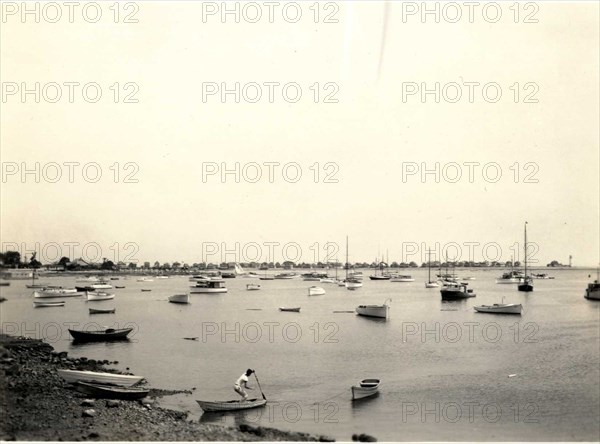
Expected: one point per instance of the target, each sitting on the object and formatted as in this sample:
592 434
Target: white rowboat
57 293
316 291
48 303
72 376
374 311
364 388
500 308
93 296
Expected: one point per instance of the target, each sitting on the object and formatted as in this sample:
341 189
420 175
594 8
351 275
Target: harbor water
448 373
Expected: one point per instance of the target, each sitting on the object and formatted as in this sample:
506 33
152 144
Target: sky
163 166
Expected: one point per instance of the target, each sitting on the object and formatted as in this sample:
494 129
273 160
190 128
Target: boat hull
48 304
365 388
316 291
373 311
500 309
102 311
180 299
290 309
101 335
110 392
73 376
99 296
229 406
57 294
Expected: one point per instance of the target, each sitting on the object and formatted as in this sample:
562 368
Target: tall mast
429 263
347 263
525 249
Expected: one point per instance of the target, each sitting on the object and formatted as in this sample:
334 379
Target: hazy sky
380 127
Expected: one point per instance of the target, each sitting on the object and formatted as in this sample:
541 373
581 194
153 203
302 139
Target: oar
261 392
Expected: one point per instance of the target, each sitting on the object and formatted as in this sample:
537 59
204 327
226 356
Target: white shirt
241 379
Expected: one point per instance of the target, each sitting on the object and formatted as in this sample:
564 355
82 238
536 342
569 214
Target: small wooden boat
73 376
402 278
146 289
291 309
374 311
500 308
111 391
48 303
85 288
119 286
316 291
96 296
33 286
108 334
364 388
102 310
180 298
453 291
145 279
210 286
267 278
228 406
251 287
7 284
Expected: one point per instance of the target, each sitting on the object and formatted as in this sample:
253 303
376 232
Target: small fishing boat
327 281
592 292
402 278
210 286
316 291
111 391
374 311
227 406
251 287
513 277
48 303
114 278
291 309
52 292
291 275
145 279
101 286
267 278
96 296
73 376
84 289
542 276
108 334
500 308
364 388
453 291
102 310
183 298
119 286
146 289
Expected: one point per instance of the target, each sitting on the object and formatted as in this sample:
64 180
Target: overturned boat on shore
111 391
73 376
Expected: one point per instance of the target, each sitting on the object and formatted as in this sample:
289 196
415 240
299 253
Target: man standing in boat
242 383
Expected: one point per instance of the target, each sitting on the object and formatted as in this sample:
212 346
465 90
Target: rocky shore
38 405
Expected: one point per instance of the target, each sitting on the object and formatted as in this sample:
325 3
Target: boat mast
429 264
347 263
525 250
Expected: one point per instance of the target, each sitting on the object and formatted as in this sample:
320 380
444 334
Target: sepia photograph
311 220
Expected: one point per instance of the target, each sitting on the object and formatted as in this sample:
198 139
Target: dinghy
364 388
292 309
102 310
228 406
119 286
250 287
95 296
48 304
374 311
500 308
180 298
109 334
73 376
111 391
316 291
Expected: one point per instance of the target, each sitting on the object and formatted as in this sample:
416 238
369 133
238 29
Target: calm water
444 368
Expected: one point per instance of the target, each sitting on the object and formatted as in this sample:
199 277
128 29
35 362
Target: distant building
17 274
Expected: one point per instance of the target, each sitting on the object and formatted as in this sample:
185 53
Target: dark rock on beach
37 405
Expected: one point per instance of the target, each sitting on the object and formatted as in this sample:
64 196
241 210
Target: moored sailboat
526 284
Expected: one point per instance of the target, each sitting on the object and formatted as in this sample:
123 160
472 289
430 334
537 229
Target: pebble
112 403
89 413
87 403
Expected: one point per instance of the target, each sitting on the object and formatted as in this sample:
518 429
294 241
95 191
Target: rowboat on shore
108 334
111 391
95 296
364 388
48 303
291 309
180 298
102 310
228 406
115 379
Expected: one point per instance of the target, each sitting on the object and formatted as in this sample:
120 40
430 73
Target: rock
93 435
324 438
83 359
87 403
255 430
110 403
146 402
89 413
62 355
